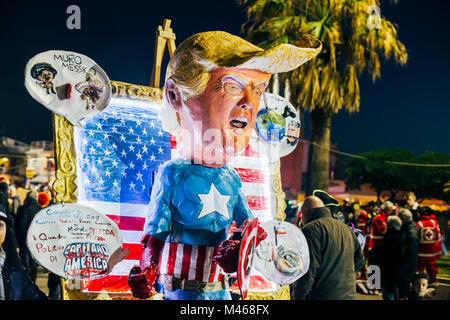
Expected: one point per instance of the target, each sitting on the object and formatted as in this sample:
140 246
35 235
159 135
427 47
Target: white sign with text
75 241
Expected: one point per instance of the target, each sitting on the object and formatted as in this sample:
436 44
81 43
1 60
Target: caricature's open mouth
239 123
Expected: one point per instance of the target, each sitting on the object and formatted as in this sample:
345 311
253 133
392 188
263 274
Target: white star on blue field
118 153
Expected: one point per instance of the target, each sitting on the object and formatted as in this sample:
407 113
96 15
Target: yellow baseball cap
223 49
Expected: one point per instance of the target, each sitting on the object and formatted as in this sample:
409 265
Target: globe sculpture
270 125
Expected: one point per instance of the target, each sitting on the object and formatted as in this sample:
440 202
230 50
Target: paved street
443 291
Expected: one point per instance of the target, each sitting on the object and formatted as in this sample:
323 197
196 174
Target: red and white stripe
190 262
254 172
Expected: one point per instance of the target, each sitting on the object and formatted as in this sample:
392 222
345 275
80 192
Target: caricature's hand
142 277
228 255
141 282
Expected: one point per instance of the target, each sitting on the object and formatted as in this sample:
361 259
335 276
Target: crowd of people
18 269
400 239
403 240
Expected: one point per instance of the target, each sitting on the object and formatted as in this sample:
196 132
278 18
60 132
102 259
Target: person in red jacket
430 244
365 217
378 225
361 221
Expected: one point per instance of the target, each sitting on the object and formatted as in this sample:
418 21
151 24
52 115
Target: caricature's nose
248 99
246 106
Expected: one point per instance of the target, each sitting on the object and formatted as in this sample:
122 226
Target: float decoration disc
75 241
68 83
283 257
277 129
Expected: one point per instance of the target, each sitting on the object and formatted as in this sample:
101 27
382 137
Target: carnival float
127 181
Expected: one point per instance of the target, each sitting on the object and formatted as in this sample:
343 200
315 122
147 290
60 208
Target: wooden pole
164 35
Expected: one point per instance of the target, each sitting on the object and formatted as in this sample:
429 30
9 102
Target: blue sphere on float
270 125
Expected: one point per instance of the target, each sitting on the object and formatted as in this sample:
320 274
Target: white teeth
243 119
239 123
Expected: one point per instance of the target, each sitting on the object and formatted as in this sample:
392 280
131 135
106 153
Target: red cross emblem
429 235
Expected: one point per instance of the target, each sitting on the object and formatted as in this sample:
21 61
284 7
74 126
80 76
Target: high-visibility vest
430 239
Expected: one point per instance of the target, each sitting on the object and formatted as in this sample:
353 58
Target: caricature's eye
232 88
258 92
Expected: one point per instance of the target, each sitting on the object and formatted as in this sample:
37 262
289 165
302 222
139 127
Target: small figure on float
214 84
45 74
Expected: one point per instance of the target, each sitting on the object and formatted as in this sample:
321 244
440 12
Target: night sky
407 108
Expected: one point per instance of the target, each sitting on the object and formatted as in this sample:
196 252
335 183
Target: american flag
118 153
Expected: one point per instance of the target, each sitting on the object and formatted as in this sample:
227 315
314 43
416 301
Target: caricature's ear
173 95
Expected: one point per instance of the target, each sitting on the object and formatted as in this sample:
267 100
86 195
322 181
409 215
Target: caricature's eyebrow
261 82
244 82
238 79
